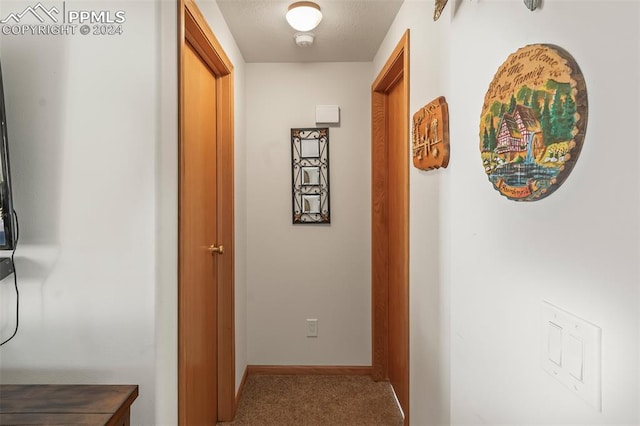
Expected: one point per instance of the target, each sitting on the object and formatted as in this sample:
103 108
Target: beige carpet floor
272 400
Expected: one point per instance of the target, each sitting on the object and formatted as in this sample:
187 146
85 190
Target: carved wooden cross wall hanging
430 145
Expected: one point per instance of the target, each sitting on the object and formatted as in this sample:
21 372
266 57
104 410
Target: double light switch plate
571 348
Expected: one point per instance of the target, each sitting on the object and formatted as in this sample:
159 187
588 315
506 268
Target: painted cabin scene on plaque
533 122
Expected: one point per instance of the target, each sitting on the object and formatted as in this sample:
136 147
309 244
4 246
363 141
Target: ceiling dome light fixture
304 15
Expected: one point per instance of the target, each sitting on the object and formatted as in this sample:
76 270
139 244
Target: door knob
219 249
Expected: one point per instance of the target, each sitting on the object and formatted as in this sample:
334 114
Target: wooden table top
64 404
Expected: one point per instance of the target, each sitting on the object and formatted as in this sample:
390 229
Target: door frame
193 29
396 67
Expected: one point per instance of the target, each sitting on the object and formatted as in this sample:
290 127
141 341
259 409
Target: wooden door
390 223
198 224
206 343
398 151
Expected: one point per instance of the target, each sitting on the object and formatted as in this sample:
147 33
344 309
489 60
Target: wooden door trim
193 29
396 67
199 35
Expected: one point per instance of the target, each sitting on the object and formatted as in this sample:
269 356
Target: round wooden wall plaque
533 122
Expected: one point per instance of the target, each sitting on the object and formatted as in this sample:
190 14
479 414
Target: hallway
316 401
95 178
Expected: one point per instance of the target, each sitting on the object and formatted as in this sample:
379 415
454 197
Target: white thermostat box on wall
327 114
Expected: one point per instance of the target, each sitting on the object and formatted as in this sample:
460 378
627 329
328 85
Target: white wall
496 264
166 266
83 127
93 138
297 272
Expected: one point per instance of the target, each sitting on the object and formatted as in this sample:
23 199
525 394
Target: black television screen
7 224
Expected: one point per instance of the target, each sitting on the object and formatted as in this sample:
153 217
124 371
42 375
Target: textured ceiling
350 31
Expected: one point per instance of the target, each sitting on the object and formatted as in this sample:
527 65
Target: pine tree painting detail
533 122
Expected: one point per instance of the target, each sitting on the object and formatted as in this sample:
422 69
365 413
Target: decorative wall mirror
310 175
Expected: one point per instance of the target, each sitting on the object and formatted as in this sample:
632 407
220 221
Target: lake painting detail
533 122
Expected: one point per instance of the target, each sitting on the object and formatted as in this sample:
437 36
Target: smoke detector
304 39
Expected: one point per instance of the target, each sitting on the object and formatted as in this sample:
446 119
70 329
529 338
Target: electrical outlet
312 328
